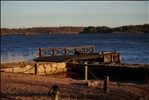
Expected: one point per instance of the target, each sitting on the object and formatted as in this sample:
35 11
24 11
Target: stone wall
41 68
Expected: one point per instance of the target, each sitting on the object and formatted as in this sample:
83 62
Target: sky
19 14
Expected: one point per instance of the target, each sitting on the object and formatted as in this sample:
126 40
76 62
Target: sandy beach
17 86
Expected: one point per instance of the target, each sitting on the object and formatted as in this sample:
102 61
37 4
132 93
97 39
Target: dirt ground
18 86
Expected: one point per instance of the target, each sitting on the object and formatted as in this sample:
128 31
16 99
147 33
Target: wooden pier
63 51
78 53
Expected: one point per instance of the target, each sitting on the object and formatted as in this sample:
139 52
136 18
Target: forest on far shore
76 30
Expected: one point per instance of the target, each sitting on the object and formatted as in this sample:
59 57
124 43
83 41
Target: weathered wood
36 69
86 73
106 84
65 51
40 53
80 57
111 58
76 53
115 51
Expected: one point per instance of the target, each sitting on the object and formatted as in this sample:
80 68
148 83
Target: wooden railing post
84 49
53 51
92 49
65 50
119 58
116 51
75 49
40 53
111 58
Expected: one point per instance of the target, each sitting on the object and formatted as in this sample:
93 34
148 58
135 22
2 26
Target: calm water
134 48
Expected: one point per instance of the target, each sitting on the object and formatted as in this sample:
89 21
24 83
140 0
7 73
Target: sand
18 86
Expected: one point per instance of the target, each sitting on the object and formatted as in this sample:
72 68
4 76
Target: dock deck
68 58
79 53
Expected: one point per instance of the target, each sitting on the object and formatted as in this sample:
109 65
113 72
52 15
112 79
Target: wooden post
86 73
36 69
119 58
65 50
93 49
75 51
116 51
106 84
40 52
53 52
84 49
111 58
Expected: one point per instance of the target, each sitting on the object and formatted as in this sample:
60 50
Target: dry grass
14 57
33 87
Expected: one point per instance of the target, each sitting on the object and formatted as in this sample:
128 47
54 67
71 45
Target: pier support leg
36 69
86 73
106 84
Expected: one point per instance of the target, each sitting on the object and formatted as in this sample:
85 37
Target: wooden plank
69 57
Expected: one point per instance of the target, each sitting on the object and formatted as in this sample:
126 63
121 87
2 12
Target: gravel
17 86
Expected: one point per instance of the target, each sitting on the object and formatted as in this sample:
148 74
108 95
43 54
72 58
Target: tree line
41 30
75 30
123 29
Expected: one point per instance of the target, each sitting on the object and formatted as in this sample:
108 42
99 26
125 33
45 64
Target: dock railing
63 51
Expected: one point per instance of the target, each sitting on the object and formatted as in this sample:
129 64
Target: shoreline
120 71
131 65
78 29
21 86
74 33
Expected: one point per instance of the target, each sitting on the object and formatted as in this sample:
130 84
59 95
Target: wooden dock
64 51
79 53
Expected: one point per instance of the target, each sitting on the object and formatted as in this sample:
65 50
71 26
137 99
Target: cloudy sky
18 14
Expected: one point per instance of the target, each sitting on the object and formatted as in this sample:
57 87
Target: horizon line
72 26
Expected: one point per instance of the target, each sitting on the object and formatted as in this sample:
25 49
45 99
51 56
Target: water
134 48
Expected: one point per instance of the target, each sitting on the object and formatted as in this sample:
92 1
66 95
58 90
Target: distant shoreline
73 33
135 29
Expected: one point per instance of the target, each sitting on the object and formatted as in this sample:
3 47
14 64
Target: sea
134 48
